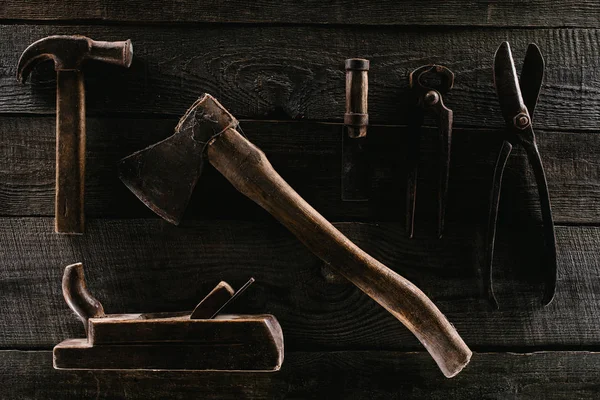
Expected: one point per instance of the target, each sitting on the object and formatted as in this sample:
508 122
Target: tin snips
429 83
518 99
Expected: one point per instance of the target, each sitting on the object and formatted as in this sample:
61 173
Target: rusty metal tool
428 84
518 99
222 306
164 175
356 177
68 54
204 339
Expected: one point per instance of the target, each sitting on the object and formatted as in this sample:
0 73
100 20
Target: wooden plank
151 266
265 356
308 155
283 72
539 13
348 375
134 329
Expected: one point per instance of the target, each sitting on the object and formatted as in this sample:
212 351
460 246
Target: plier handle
429 100
518 99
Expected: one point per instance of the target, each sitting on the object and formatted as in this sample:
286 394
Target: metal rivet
521 121
431 98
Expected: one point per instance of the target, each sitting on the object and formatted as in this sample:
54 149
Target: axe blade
164 175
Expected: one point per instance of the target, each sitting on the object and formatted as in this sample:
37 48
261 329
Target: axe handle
248 169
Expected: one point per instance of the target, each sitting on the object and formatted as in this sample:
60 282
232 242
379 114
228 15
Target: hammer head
69 52
163 176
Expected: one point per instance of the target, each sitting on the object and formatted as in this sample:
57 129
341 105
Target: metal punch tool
518 99
429 100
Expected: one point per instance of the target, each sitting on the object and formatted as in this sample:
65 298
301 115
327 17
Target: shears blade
507 85
532 76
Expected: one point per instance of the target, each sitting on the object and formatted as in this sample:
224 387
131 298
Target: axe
164 175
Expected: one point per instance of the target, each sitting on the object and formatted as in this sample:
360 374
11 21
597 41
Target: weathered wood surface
282 72
151 266
308 156
284 61
344 375
383 12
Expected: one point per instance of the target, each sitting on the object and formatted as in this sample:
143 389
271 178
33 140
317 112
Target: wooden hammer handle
70 152
248 169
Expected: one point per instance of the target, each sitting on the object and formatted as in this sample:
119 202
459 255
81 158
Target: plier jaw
429 100
517 102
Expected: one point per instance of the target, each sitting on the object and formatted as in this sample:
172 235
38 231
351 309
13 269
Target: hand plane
202 339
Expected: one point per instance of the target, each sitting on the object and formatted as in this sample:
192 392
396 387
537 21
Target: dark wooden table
280 68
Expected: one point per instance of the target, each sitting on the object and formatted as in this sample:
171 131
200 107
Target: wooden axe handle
248 169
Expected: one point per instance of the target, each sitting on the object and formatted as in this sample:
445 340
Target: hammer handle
248 169
70 152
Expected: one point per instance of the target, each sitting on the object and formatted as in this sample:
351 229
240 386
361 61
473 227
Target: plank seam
194 24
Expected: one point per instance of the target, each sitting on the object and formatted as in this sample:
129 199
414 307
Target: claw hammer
68 54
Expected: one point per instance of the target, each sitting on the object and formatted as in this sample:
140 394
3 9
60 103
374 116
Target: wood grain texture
152 266
282 72
283 61
383 12
308 156
179 328
347 375
70 153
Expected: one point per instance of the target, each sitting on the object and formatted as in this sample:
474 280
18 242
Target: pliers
429 99
518 99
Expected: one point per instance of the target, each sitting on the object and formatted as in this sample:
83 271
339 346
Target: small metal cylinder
118 53
356 118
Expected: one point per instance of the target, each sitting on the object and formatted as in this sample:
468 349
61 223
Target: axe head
164 175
